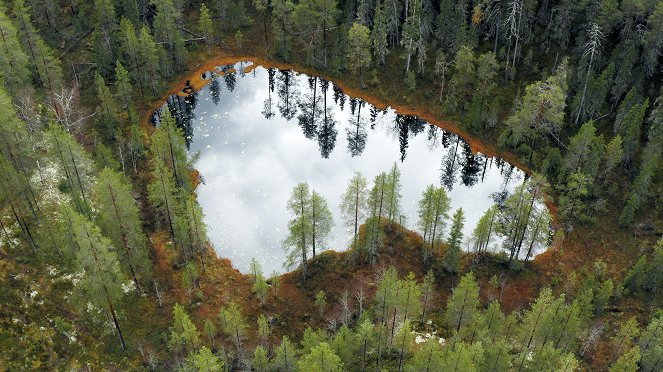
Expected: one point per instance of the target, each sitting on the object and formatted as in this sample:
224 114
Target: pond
260 132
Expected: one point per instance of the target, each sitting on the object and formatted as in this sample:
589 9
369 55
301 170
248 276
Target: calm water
255 140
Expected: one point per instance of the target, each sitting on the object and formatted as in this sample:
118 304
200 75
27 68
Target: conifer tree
321 358
14 62
168 144
148 53
285 357
453 251
359 49
321 220
120 221
205 27
379 33
260 359
392 193
427 358
47 66
354 203
101 283
184 337
109 116
233 324
203 361
124 90
297 243
75 164
433 213
462 306
162 194
167 31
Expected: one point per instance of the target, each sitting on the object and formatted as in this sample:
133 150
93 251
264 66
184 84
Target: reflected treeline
313 109
356 132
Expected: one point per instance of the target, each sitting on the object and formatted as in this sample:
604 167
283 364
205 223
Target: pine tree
167 31
354 203
359 49
462 306
260 359
285 357
14 62
148 53
627 362
321 358
584 152
233 324
322 220
540 114
203 361
392 193
427 358
101 283
120 221
184 337
47 66
379 33
297 244
169 145
462 83
109 117
162 194
205 27
124 90
453 251
130 53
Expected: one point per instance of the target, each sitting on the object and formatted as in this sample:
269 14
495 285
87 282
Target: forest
106 255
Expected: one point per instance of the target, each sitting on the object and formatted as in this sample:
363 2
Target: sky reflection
250 163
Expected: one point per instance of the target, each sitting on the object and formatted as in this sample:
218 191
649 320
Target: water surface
260 133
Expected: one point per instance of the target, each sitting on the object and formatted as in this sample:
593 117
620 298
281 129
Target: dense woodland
104 256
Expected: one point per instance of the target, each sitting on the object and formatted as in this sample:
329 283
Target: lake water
255 141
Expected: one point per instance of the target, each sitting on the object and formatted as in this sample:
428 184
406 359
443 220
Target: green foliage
285 356
233 324
359 49
451 259
321 358
462 306
119 219
184 336
14 72
203 361
260 359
